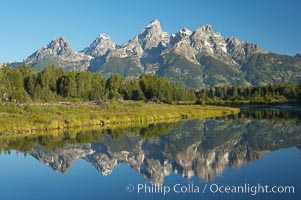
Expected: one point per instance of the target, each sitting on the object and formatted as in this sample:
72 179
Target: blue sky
27 25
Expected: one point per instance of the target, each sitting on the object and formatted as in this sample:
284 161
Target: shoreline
37 118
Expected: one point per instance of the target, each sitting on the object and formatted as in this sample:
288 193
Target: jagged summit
207 28
154 22
179 35
150 35
60 53
298 55
56 47
100 46
185 31
59 46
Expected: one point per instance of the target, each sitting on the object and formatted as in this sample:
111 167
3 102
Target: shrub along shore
30 118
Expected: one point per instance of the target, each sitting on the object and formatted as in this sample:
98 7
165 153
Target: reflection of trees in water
270 114
266 114
58 141
203 148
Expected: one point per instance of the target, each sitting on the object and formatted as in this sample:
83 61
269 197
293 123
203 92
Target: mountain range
199 58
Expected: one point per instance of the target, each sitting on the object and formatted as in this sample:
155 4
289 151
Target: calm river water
254 155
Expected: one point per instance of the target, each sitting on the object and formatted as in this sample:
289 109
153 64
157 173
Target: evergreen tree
113 85
235 93
97 91
84 85
67 85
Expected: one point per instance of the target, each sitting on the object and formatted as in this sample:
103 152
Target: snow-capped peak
58 45
182 33
150 35
185 32
63 53
155 22
104 36
100 46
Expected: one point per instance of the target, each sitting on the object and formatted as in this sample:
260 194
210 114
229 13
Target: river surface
253 155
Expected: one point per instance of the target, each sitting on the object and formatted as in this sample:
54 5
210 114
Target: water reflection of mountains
189 148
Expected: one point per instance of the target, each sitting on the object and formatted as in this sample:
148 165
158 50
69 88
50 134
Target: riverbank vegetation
48 116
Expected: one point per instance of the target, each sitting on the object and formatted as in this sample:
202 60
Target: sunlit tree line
23 84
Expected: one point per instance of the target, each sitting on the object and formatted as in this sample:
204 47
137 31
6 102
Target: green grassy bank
39 117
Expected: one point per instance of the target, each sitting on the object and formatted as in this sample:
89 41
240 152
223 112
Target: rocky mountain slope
59 53
194 58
